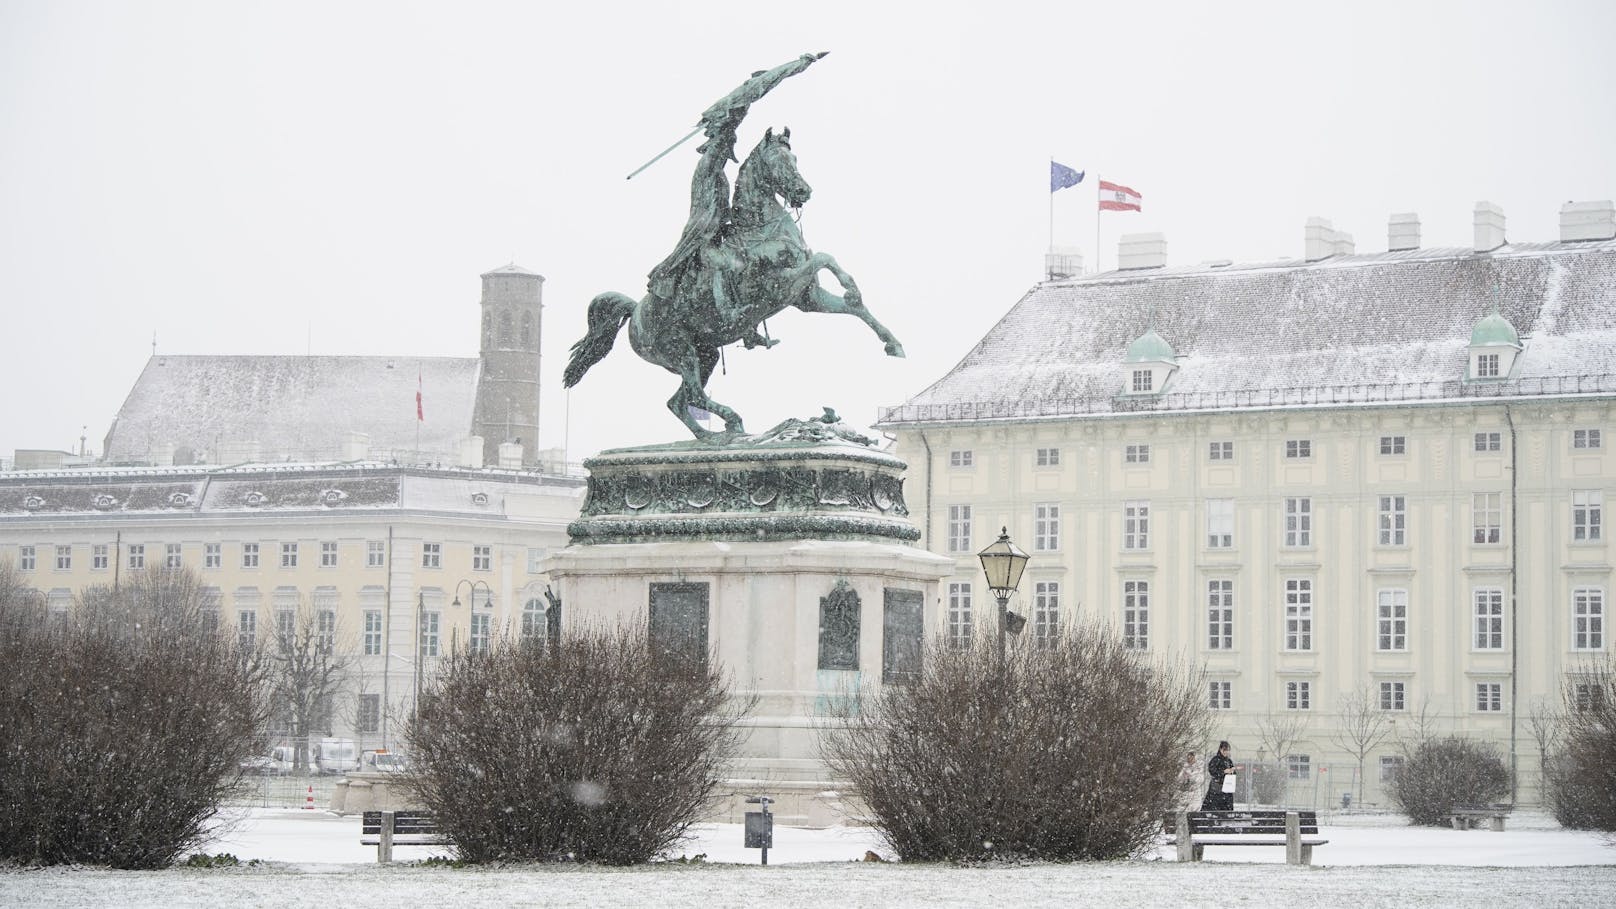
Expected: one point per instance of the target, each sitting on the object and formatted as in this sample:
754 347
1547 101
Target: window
288 555
372 636
1299 448
961 458
1298 522
1220 451
212 555
1486 517
1585 438
1136 454
370 713
1390 766
482 631
1298 695
431 555
99 559
375 553
137 555
535 559
959 614
1220 614
1587 508
1489 697
64 558
1144 380
1391 619
249 555
1588 618
1393 520
1219 523
1135 525
328 553
1487 366
26 558
1489 441
1489 614
482 558
1046 527
428 645
1298 614
533 619
285 627
1393 445
1047 457
1136 615
325 627
1587 696
1298 766
1219 695
959 528
172 557
246 629
1392 696
1045 613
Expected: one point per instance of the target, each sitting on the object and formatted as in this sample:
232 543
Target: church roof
298 408
1350 329
511 269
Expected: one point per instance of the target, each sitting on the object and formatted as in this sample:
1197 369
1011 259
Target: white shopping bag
1228 783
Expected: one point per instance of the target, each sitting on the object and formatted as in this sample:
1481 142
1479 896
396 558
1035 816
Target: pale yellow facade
1186 533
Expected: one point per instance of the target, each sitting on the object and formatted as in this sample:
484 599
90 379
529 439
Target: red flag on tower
420 415
1116 197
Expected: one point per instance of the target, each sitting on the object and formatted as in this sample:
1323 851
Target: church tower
508 387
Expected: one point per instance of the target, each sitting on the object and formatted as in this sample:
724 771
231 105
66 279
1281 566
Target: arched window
534 624
504 329
488 329
527 329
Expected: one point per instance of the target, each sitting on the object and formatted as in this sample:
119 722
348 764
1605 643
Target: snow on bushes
593 748
1065 752
1442 774
1582 776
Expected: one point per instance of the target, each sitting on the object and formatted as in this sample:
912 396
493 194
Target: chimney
1403 232
510 455
1320 240
355 446
1587 221
471 452
1135 251
1489 227
1063 262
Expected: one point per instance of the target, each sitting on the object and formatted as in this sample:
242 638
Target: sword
688 136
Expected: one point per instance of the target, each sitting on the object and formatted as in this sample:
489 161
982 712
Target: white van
336 755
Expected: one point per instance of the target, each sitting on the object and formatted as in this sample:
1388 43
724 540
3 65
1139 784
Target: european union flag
1061 176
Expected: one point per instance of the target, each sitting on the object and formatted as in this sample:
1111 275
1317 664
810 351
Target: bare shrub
1582 776
1441 774
1070 752
122 724
592 748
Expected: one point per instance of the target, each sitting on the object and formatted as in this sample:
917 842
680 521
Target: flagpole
1051 249
1097 211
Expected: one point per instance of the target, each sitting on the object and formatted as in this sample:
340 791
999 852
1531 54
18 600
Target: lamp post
420 645
488 594
1003 562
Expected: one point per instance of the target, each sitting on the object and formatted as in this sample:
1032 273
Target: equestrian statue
738 262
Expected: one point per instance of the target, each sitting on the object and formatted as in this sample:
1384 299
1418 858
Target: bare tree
1547 726
1364 726
307 670
1420 728
1277 734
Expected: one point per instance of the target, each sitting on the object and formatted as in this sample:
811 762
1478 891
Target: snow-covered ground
314 859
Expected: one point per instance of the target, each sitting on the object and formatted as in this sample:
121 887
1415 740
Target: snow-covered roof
300 408
1348 329
512 269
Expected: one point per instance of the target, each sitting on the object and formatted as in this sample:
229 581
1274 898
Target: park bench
1466 817
386 829
1297 831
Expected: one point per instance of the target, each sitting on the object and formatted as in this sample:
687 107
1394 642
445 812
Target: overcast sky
332 177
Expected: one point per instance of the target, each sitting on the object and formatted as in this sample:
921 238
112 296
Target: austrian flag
1115 197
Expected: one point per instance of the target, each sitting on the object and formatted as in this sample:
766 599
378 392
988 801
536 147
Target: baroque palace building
1342 479
323 484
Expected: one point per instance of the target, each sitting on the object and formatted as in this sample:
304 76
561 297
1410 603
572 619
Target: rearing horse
764 268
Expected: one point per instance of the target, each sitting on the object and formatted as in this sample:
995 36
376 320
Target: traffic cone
308 802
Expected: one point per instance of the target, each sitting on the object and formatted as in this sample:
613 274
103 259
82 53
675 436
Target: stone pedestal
792 566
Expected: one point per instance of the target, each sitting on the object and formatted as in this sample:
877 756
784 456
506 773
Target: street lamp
1003 562
488 594
420 644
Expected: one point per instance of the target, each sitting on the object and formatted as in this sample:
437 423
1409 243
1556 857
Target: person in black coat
1220 765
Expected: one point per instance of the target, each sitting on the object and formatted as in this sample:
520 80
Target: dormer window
1143 381
1494 348
1147 365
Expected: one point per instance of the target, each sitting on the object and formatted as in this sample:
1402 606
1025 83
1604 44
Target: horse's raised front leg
817 299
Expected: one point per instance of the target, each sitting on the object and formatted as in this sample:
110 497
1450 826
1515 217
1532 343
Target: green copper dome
1150 348
1494 331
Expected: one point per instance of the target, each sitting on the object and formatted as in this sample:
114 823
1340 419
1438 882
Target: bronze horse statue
738 263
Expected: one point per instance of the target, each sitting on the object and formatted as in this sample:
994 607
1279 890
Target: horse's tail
607 313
